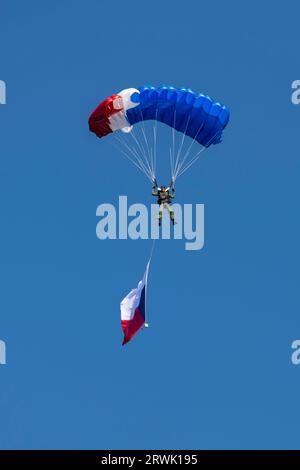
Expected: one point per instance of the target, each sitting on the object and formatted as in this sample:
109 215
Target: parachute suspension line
155 145
154 149
171 164
142 150
148 154
133 151
180 165
135 159
151 160
196 157
191 162
179 150
183 159
134 163
153 167
144 155
144 135
172 152
147 150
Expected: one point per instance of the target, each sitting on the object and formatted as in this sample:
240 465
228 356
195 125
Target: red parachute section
99 119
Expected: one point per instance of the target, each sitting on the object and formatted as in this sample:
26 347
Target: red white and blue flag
133 309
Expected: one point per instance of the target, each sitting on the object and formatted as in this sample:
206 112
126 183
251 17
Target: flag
133 309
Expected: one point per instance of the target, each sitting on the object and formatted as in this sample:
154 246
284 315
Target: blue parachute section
194 114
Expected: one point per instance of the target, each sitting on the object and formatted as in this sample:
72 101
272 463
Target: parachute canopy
193 114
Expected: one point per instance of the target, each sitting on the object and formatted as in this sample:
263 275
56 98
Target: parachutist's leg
172 217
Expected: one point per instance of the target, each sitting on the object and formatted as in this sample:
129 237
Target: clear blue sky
214 369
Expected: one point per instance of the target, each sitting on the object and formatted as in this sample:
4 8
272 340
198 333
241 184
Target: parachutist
164 196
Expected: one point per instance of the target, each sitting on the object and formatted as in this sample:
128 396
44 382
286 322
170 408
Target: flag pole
146 324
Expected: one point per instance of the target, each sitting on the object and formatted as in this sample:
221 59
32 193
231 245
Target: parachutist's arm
154 191
172 194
